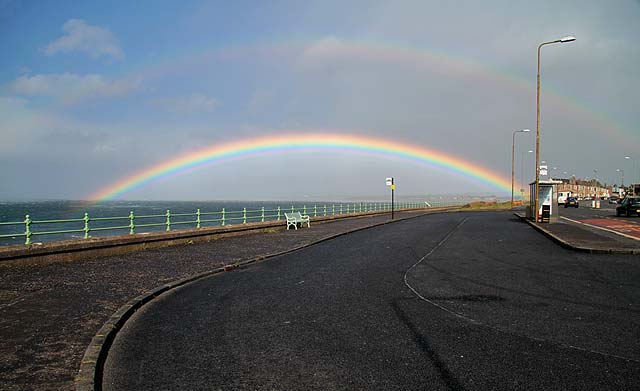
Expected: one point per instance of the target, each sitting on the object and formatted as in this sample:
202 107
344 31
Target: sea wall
85 249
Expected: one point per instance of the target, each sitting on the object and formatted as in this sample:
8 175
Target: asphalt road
604 217
584 211
450 301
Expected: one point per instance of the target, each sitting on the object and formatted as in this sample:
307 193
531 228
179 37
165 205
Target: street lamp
596 202
561 40
633 173
621 170
513 148
524 162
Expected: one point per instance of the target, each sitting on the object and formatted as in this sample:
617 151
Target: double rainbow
295 142
317 51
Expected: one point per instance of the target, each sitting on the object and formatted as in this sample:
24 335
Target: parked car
571 201
629 206
613 200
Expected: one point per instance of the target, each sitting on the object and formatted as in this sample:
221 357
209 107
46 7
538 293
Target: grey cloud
467 107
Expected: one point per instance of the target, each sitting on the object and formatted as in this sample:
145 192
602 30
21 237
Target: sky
92 93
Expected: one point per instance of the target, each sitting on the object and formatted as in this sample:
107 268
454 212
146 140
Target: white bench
295 218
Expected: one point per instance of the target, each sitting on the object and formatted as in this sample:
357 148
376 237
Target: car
613 200
629 206
571 201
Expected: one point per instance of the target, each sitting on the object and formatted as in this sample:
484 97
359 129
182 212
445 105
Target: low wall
84 249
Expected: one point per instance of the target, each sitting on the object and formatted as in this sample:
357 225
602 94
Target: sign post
390 182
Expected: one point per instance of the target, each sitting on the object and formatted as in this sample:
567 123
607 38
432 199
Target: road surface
605 217
449 301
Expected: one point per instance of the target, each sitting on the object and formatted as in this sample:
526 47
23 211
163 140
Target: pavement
595 231
464 301
50 313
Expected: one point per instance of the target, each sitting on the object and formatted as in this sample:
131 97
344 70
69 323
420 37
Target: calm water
66 210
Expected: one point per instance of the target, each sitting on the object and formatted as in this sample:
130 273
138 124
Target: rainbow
467 68
314 51
295 142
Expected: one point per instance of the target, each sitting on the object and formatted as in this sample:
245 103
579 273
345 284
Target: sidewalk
50 313
582 238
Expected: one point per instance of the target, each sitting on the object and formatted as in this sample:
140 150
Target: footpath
50 312
584 238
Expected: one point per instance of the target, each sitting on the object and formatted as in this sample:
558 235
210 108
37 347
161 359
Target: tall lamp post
621 171
524 162
513 149
633 172
561 40
595 173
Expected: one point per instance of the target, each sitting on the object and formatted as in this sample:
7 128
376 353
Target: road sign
391 184
543 169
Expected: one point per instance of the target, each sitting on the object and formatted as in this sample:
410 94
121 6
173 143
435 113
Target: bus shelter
547 201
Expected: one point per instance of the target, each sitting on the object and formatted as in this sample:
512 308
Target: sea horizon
112 213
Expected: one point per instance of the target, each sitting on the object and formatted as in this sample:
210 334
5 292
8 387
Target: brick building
584 188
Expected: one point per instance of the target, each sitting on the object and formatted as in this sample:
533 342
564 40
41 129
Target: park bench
295 218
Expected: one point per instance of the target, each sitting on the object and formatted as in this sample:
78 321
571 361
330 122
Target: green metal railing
134 223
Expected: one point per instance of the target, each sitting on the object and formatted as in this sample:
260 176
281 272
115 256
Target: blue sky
94 91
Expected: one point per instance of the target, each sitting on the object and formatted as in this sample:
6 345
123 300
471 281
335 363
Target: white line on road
602 228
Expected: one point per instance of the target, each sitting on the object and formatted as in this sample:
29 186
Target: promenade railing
86 226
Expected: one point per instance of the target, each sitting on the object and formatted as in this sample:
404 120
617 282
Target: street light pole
513 149
525 163
537 190
621 170
596 203
633 172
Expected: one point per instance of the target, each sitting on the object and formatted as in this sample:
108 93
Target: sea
55 220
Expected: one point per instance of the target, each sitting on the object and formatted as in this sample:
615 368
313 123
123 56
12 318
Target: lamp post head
567 39
627 157
525 130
